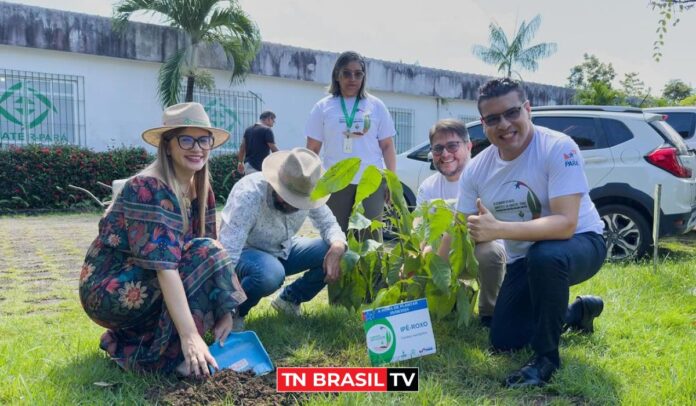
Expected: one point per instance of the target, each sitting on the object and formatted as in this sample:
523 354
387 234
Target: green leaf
388 296
369 183
396 193
465 305
336 178
393 264
412 264
440 271
358 221
440 303
439 222
376 225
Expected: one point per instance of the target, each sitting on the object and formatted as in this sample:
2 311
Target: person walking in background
258 142
155 276
350 122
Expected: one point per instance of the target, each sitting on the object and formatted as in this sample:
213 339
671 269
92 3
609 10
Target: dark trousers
533 298
341 205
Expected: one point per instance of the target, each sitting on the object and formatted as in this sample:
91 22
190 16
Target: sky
441 33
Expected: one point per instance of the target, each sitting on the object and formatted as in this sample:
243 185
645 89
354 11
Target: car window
616 131
420 154
582 129
683 123
478 139
670 135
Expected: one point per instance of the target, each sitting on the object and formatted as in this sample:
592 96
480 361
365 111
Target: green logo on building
221 116
28 108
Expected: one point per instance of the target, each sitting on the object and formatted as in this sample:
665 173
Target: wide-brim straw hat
293 175
185 115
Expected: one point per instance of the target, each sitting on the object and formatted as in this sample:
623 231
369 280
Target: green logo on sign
26 105
221 116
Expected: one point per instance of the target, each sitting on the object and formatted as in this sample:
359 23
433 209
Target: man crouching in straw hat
263 213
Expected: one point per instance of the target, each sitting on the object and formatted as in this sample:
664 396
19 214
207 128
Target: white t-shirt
436 186
520 190
372 123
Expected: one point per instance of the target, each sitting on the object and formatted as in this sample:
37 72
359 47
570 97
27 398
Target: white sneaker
283 306
237 323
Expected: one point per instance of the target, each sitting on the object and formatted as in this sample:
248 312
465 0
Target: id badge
347 145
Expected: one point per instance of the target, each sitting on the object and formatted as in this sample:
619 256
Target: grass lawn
643 350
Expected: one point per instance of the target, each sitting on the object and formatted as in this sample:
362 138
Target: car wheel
626 231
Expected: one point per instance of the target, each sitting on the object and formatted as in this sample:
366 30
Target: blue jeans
533 298
262 273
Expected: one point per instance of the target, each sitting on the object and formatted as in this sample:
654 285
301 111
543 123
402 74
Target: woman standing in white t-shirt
349 122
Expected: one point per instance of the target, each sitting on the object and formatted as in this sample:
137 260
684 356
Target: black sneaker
537 372
591 307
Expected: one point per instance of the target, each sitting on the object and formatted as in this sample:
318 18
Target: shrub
223 173
37 176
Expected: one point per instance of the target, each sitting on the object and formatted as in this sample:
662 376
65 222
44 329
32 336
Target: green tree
599 93
676 90
589 71
633 90
689 101
506 53
208 23
668 10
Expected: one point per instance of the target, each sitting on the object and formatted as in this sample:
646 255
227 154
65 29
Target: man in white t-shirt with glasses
529 189
451 150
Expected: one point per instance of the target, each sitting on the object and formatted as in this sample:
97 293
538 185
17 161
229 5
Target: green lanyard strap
349 120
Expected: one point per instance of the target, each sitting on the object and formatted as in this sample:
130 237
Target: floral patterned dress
141 235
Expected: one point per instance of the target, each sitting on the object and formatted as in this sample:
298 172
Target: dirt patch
227 385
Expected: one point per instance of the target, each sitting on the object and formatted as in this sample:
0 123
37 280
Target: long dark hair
343 60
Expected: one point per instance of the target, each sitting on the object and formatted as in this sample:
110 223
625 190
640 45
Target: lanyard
349 120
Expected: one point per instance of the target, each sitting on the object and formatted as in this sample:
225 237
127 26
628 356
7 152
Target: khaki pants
248 169
491 259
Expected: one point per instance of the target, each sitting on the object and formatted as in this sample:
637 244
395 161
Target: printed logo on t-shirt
571 158
520 200
361 125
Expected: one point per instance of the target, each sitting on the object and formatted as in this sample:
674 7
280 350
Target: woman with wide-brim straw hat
155 276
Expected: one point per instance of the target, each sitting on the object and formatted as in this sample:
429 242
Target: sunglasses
451 147
283 206
186 142
348 74
509 115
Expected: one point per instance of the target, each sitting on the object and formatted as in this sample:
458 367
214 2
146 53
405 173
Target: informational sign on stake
399 332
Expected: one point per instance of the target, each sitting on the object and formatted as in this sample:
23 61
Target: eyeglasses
509 114
348 74
186 142
451 147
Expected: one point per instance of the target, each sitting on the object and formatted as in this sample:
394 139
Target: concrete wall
120 75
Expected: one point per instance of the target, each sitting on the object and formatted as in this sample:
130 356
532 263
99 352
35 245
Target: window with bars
41 108
404 123
230 110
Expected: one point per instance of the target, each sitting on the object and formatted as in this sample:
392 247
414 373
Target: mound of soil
226 385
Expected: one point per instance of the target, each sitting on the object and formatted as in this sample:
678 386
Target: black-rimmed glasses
509 115
451 147
186 142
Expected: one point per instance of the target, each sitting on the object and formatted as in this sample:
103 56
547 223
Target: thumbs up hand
482 226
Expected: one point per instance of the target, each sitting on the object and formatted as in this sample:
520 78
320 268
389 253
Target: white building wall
121 97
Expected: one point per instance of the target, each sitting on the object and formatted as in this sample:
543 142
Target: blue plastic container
242 352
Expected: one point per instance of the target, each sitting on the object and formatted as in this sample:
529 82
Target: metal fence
230 110
41 108
404 123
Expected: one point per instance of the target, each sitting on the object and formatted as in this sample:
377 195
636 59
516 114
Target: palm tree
208 23
505 53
